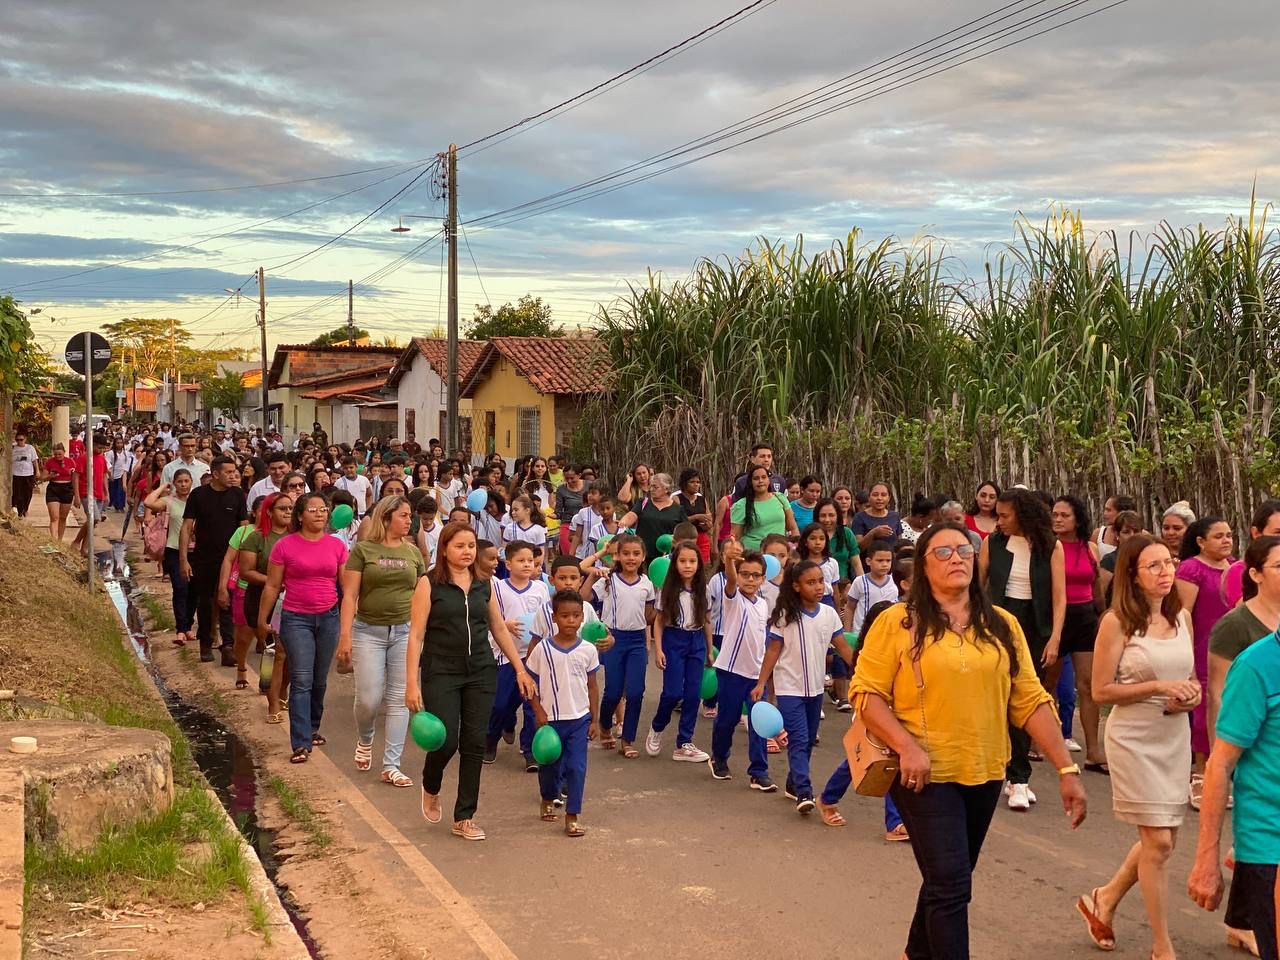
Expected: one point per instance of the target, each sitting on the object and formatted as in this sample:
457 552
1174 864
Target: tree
529 317
225 393
338 335
148 343
23 366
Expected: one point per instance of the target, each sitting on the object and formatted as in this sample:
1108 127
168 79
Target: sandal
317 740
364 755
301 755
773 746
548 812
397 778
831 815
277 717
628 751
571 828
242 680
179 641
1101 768
1103 937
609 744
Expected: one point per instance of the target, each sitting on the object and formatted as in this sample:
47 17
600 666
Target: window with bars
528 427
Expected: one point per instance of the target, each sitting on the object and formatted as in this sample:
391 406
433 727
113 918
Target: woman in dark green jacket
451 672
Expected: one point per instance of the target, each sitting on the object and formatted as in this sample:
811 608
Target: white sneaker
1073 746
689 753
822 714
653 743
1019 798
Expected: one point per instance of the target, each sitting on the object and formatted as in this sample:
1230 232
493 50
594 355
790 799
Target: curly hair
1033 519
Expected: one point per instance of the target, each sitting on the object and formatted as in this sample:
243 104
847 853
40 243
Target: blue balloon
766 721
477 500
771 569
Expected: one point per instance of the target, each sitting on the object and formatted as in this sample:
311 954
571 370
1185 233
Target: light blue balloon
477 500
771 569
766 721
526 623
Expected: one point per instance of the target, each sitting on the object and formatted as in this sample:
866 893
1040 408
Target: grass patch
161 616
297 809
183 856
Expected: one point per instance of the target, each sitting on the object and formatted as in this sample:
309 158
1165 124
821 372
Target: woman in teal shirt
761 512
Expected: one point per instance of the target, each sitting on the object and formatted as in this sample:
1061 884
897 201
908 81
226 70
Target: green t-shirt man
388 577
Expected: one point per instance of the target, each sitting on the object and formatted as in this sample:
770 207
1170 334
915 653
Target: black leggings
461 694
1019 768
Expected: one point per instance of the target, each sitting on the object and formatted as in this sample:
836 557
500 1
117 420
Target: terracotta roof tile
435 350
552 365
365 389
307 362
334 376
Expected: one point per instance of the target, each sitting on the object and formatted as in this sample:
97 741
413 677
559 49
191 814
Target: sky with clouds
1153 110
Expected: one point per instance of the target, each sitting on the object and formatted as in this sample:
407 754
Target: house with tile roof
527 393
303 379
418 380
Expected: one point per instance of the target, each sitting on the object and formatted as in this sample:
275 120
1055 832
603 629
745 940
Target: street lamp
412 216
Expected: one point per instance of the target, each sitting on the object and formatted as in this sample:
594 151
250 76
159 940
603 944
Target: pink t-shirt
311 569
1234 587
1080 571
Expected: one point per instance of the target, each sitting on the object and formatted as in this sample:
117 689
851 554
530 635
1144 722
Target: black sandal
242 681
1101 768
301 755
317 740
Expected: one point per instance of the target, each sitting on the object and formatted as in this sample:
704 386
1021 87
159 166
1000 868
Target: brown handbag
873 765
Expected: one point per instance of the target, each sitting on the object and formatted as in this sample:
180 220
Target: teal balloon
477 500
427 730
771 566
546 745
710 683
341 517
593 631
664 543
658 571
766 721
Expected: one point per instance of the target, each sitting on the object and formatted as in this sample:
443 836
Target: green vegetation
161 616
528 317
1141 365
185 855
299 811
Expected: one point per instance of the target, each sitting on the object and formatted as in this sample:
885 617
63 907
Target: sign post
88 353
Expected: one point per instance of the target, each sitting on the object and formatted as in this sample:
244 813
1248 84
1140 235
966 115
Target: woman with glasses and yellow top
951 732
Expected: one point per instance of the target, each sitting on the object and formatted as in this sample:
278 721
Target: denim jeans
378 656
310 640
948 823
182 612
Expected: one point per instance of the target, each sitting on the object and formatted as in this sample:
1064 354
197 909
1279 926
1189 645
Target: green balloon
664 543
851 639
427 730
715 653
546 745
341 517
710 683
658 571
594 631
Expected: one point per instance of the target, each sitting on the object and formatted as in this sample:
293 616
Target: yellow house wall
504 392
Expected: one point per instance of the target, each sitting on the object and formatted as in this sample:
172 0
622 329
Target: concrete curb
12 854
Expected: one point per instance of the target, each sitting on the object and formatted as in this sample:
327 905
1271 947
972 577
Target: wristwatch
1067 771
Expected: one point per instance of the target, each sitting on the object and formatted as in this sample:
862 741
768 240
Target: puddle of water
223 758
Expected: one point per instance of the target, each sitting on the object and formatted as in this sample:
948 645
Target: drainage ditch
224 759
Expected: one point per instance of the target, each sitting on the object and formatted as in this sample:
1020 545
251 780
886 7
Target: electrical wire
474 264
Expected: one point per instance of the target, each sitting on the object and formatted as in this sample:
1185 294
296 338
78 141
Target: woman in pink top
306 564
1266 523
1073 528
1202 585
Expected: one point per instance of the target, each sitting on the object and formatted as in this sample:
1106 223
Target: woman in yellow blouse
952 733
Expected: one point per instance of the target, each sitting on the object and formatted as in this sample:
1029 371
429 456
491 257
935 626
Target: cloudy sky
1153 110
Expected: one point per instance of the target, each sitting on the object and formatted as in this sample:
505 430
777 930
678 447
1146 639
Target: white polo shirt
562 678
745 627
544 626
801 668
866 593
684 617
715 604
515 604
359 487
624 604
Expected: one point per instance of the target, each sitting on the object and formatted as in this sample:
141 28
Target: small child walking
682 649
519 597
625 599
564 668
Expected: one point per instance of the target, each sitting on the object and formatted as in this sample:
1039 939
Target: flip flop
277 717
301 755
1101 768
1103 937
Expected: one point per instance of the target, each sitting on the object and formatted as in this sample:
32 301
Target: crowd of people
969 636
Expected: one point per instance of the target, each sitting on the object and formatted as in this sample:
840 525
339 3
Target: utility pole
173 362
262 324
451 231
351 323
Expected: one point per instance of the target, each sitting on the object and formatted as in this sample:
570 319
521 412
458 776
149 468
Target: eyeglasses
965 551
294 486
1159 566
316 510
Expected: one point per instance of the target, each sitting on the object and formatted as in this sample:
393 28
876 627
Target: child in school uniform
746 614
527 524
801 628
874 586
815 545
564 667
624 598
519 597
682 649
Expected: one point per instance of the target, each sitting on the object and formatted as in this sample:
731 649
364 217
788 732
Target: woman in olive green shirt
384 598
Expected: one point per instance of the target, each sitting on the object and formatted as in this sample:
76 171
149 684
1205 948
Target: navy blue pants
734 691
505 704
1066 695
686 653
800 718
716 641
838 785
624 665
571 768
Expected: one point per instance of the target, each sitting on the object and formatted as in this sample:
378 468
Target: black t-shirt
216 515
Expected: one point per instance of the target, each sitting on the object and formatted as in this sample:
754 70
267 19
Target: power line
474 264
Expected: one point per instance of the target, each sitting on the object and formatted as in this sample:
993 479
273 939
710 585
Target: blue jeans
733 692
183 615
310 640
686 653
505 704
378 657
1066 695
571 768
800 717
624 665
115 493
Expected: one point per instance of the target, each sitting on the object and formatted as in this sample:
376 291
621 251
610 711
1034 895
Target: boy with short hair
357 485
565 670
519 597
486 559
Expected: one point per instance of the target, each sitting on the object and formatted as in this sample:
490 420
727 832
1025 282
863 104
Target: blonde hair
379 516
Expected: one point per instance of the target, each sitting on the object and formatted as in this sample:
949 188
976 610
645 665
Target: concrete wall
503 393
421 390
